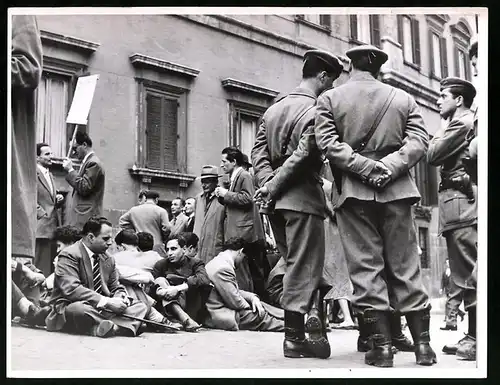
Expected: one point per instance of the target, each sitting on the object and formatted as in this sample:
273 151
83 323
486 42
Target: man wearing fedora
209 216
457 198
285 150
375 194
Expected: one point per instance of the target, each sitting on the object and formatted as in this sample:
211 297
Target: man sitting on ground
88 298
135 275
230 308
182 284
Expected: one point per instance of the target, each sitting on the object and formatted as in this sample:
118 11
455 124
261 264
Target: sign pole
72 140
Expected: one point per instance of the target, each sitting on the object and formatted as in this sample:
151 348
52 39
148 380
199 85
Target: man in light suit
179 221
457 199
46 210
148 217
228 306
242 218
375 198
87 196
87 296
297 221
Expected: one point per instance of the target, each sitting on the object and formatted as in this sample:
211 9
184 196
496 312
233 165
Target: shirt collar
42 168
235 173
89 252
87 156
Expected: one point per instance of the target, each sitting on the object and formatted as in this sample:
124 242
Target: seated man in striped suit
87 296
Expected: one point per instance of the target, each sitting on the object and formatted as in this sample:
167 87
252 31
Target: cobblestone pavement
35 349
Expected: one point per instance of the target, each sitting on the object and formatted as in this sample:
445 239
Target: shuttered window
161 131
325 21
439 55
353 21
409 38
243 127
375 30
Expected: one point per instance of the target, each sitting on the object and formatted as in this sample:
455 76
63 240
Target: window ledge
356 41
238 85
319 27
140 60
147 174
412 65
86 46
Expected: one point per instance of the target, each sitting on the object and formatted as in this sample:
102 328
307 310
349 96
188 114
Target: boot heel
385 363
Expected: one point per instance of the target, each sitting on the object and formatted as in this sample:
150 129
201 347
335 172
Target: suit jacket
149 218
88 192
209 227
46 212
180 224
447 149
399 141
242 217
73 282
225 299
189 224
301 190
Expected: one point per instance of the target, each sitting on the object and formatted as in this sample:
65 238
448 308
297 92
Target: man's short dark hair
94 225
127 237
142 193
145 241
67 234
39 147
177 237
191 239
82 137
250 249
183 202
314 66
151 194
473 50
233 154
468 99
363 63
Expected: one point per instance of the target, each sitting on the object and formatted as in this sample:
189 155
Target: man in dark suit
190 210
242 218
375 194
297 222
457 198
88 183
46 210
179 220
87 296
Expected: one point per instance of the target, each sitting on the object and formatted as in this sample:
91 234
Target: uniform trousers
462 254
81 316
300 238
380 244
453 300
45 251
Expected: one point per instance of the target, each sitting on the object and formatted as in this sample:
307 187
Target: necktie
96 273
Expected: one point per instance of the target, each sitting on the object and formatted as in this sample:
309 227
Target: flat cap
209 171
459 85
331 60
375 54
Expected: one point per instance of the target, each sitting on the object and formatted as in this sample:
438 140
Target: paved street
34 349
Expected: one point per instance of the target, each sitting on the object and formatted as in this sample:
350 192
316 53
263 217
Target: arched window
438 53
461 40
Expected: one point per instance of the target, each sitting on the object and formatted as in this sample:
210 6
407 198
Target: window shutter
354 26
444 57
153 131
375 30
431 58
400 29
416 41
457 65
170 134
467 66
325 21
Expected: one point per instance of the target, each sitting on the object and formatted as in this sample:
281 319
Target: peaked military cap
209 171
374 54
331 60
459 85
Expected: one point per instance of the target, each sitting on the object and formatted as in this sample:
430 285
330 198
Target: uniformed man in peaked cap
373 134
287 165
457 198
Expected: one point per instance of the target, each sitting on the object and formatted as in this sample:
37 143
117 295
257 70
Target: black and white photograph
247 192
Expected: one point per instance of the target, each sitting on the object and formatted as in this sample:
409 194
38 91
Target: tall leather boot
364 337
399 340
378 327
316 325
467 349
418 322
295 344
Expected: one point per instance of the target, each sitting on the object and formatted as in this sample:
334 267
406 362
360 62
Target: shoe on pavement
467 349
452 349
190 325
36 315
105 329
449 327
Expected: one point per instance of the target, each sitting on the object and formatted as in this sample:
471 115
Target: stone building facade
175 89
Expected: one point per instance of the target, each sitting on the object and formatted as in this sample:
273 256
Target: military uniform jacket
343 117
447 149
299 185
